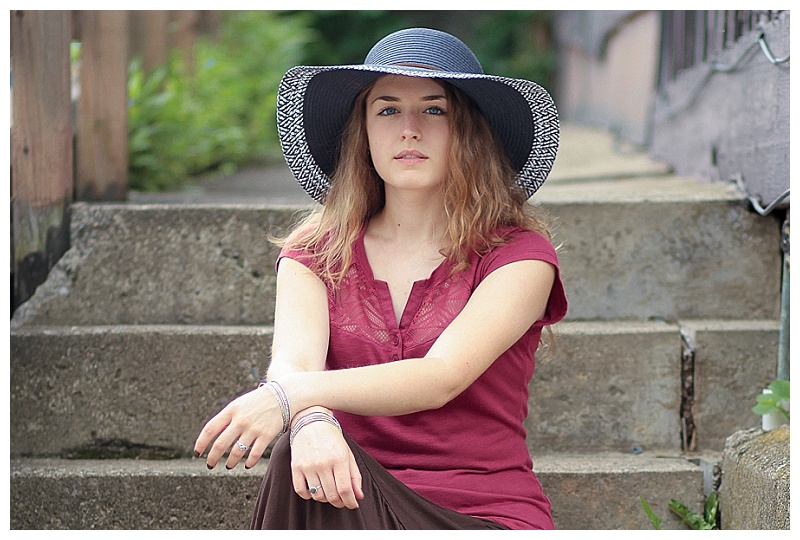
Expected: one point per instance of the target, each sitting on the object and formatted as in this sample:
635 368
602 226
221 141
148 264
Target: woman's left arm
501 309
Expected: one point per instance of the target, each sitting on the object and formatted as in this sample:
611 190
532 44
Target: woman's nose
411 127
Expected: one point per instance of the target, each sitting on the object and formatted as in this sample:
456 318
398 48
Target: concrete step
634 249
149 389
616 386
74 389
594 491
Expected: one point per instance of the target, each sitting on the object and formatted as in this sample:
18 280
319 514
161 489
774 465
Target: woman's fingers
355 478
220 446
210 431
238 450
251 419
321 459
257 450
346 493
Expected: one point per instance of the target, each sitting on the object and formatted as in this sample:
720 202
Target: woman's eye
388 111
435 110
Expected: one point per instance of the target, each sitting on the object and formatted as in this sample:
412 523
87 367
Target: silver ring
314 489
243 447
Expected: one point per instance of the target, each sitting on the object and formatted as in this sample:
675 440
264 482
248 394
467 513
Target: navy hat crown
424 47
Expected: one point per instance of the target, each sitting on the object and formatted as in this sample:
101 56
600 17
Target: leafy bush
709 520
776 400
218 113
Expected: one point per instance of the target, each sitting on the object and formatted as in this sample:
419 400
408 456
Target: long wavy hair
480 193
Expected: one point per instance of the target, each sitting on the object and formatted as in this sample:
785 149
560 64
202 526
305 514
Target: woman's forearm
391 389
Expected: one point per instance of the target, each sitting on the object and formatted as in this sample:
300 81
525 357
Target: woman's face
408 129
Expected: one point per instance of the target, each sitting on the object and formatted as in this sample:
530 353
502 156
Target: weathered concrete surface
147 385
687 253
131 494
663 248
755 480
600 491
163 265
734 360
593 491
609 386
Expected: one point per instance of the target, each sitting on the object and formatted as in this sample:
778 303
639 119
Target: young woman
410 306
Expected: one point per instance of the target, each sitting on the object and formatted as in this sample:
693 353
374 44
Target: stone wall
755 480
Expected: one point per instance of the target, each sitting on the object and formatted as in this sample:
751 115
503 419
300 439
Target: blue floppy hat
314 103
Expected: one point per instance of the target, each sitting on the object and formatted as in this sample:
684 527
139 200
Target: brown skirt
388 504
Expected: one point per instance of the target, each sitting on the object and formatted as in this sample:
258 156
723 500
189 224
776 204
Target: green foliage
654 519
775 401
706 522
516 44
220 113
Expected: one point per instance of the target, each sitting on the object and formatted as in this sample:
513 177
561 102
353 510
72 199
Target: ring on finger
314 489
243 447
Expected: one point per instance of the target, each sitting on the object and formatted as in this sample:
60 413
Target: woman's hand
322 459
252 420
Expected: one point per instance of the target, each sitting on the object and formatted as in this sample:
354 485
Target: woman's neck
411 221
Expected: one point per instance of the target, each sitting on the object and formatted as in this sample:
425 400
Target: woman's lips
411 156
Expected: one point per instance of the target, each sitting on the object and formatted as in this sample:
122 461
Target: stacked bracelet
283 401
312 417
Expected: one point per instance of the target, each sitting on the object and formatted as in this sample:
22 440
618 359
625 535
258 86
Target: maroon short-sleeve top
471 454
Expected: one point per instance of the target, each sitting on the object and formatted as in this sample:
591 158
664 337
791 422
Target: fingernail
209 466
196 454
248 467
229 468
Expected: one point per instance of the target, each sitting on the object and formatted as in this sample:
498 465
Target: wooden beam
41 146
149 37
184 28
102 135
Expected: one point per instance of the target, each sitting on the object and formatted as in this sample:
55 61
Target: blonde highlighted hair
480 193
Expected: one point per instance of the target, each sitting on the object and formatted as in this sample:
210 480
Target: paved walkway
585 155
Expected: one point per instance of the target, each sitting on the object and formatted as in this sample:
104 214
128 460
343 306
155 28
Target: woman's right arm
300 339
299 345
320 455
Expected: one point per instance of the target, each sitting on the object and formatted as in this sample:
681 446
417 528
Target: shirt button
395 340
395 357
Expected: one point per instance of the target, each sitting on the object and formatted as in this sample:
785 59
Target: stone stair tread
545 463
693 251
641 189
592 152
588 491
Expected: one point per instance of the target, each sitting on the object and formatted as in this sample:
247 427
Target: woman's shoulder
516 237
518 243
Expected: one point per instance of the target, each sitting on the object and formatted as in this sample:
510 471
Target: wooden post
184 24
41 146
149 37
209 23
102 135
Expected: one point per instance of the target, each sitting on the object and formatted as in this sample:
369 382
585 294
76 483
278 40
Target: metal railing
689 38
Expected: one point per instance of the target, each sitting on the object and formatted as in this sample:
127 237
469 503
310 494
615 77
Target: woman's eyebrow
434 97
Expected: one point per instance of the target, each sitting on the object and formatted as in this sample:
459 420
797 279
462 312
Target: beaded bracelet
317 416
283 401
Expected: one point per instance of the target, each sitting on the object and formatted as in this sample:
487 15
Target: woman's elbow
449 385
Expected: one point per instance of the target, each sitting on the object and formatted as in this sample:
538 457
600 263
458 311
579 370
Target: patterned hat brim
314 103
